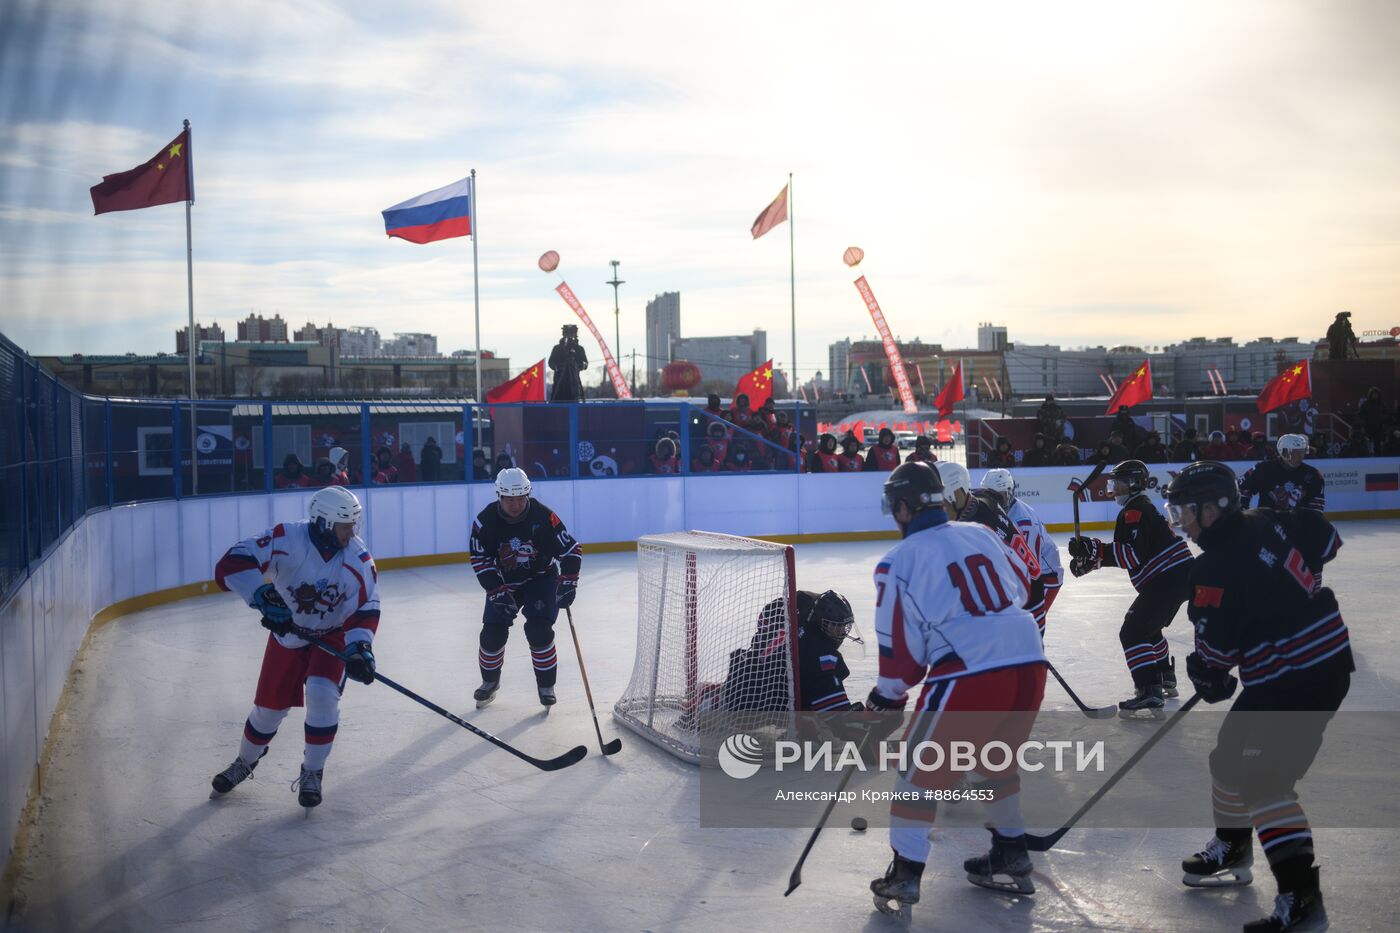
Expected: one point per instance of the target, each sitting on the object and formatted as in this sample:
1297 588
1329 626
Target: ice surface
426 827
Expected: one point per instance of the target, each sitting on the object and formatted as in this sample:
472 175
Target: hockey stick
1076 487
795 878
1093 712
609 748
572 756
1047 842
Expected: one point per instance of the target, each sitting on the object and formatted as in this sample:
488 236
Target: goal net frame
657 711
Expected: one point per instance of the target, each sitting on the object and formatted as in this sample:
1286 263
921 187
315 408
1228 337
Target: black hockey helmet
916 484
830 613
1128 479
1201 482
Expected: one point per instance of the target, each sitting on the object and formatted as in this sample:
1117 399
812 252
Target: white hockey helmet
1290 442
512 481
955 477
334 505
1002 483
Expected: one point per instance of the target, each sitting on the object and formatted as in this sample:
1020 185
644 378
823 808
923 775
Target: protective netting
715 642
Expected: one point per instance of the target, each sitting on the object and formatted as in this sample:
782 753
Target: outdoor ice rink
426 827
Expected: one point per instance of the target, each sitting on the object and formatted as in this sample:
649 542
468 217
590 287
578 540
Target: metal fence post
175 465
364 445
267 446
573 440
107 433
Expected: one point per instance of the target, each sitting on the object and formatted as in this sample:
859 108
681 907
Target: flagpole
190 345
476 307
792 285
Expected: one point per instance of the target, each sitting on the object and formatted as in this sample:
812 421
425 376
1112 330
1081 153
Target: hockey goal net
716 643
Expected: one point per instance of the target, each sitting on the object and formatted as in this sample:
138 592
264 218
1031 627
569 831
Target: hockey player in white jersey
1003 485
949 618
322 580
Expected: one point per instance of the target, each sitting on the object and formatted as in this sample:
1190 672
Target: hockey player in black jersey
1258 605
526 561
757 674
1286 483
1158 562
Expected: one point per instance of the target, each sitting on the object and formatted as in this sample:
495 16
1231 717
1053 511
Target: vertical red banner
901 378
614 373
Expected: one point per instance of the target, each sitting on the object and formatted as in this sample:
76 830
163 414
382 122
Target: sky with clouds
1092 172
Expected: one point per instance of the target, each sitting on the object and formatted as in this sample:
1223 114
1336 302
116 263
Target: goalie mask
830 613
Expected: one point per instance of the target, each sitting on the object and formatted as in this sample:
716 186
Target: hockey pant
998 705
295 677
1144 648
1266 744
536 599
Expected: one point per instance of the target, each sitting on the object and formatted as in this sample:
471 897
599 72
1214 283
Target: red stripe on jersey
902 666
231 564
364 596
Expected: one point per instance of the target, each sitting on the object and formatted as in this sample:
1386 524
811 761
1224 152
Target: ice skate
898 890
547 698
1169 679
1220 864
1298 906
486 693
1007 867
229 778
308 788
1146 703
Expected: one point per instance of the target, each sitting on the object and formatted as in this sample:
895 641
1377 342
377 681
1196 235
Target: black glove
1212 683
568 589
359 662
1090 549
1078 566
502 599
276 617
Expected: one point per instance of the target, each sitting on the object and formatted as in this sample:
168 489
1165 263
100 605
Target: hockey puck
859 824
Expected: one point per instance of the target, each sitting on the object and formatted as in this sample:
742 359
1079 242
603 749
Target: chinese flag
757 385
165 179
951 394
526 387
772 215
1135 389
1293 383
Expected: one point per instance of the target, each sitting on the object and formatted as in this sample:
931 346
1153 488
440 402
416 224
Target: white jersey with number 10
950 596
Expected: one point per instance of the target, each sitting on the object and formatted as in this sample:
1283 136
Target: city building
663 327
411 345
991 337
361 342
258 329
201 334
839 364
722 360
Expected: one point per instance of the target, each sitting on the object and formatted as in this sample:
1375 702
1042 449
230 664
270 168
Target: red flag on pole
1293 383
1134 390
757 385
951 394
772 215
526 387
165 179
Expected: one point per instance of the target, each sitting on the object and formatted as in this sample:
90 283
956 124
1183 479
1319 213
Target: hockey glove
884 716
1212 683
1090 549
568 589
276 617
502 600
359 662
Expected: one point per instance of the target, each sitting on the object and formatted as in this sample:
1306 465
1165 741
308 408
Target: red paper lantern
549 261
853 256
680 375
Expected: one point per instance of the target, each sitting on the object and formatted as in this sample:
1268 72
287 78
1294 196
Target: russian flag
1383 482
437 215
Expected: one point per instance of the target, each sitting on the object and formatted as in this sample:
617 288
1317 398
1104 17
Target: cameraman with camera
568 360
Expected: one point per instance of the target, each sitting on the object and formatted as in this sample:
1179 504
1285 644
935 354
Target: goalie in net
725 641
